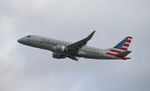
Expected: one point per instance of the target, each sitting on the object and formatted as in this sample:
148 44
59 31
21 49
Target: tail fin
121 49
124 44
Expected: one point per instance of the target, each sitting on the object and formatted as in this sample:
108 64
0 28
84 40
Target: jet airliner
62 49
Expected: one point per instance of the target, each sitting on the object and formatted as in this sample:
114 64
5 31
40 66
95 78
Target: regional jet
63 49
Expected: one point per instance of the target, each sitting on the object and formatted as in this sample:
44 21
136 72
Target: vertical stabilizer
124 44
121 49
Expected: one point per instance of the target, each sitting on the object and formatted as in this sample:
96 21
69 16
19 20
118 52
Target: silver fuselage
50 44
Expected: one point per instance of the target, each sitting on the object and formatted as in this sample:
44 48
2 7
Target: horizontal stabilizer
123 54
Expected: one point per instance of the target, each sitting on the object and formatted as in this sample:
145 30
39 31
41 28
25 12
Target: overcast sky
24 68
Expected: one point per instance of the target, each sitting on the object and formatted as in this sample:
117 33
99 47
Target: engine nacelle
59 48
58 56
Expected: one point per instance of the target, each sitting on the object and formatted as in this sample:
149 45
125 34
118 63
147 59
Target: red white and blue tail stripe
124 44
120 50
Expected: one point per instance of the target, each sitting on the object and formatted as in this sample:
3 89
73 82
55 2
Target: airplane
63 49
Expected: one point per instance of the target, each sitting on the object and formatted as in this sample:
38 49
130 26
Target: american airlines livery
63 49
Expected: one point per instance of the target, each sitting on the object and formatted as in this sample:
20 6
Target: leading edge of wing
74 48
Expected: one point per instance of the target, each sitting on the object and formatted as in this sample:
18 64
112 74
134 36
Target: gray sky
24 68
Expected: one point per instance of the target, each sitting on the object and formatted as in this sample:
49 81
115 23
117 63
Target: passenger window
28 36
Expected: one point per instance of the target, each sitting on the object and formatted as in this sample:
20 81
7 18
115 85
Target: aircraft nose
20 40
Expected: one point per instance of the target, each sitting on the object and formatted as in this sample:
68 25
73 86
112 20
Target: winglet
90 36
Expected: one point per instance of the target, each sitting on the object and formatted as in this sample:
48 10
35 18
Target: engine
59 49
58 56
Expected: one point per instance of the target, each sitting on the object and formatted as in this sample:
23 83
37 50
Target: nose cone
24 40
20 40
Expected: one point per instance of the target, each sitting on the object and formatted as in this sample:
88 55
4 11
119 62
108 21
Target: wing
73 58
74 48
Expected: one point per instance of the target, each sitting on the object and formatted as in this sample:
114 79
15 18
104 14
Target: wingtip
94 31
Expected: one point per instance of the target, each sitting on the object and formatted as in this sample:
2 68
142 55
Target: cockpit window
28 36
